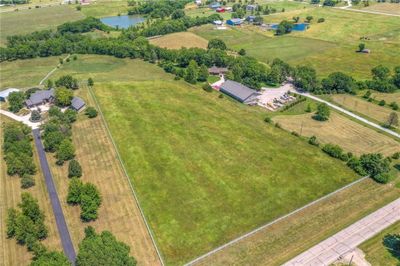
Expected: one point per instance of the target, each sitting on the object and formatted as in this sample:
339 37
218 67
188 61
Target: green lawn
328 46
29 20
104 8
208 169
375 251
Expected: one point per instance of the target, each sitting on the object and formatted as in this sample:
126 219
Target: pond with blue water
122 22
296 27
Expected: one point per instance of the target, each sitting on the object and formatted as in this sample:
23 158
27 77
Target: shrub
74 191
294 133
65 151
396 155
91 112
35 116
207 87
382 178
382 103
332 150
27 182
74 169
355 164
322 113
313 141
268 119
394 106
277 125
220 96
320 20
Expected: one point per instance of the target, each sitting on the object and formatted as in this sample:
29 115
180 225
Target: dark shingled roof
238 91
39 97
217 70
77 103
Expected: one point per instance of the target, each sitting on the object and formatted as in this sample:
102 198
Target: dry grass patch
179 40
10 195
288 238
363 107
350 135
388 97
118 212
390 8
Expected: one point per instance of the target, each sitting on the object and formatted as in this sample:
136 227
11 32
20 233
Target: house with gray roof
239 92
40 97
77 103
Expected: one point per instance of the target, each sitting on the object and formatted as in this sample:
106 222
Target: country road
340 109
329 250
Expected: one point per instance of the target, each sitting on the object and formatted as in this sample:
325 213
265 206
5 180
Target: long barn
239 92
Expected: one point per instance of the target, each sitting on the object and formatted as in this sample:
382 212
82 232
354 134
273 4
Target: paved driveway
55 202
329 250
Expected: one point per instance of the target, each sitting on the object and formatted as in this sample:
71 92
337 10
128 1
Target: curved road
340 109
55 202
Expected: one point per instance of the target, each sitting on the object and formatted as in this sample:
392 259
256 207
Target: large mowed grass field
329 46
36 19
12 253
179 40
377 253
208 169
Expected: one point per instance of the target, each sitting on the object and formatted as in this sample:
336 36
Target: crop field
10 195
183 160
351 136
328 46
364 107
290 237
29 20
376 253
179 40
118 212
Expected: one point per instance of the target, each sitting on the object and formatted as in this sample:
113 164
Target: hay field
361 106
179 40
390 8
388 97
10 195
351 136
118 212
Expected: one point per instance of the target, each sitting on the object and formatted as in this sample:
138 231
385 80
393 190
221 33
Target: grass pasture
118 212
29 20
351 136
388 97
10 195
376 253
328 46
104 8
25 73
179 40
361 106
182 155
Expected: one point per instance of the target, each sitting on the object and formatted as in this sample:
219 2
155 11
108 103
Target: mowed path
349 238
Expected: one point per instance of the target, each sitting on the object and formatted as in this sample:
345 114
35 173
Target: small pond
296 27
122 22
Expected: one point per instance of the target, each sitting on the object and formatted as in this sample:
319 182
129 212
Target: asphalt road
55 202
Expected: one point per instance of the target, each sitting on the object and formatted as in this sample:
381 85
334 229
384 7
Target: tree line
26 224
18 153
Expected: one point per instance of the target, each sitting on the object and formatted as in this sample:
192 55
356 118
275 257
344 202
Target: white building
5 93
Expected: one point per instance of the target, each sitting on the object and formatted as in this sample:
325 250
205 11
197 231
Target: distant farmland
179 40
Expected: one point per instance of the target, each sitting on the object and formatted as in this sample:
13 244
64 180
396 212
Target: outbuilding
239 92
77 104
217 70
215 5
234 21
5 93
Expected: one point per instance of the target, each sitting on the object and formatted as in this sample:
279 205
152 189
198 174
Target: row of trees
18 153
27 225
375 165
158 9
